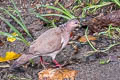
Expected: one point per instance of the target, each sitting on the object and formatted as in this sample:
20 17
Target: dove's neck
66 28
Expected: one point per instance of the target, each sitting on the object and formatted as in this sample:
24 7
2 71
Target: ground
89 68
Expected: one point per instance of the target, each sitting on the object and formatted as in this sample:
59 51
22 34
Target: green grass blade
41 17
117 2
9 35
38 15
88 40
52 7
55 8
18 21
94 7
66 11
14 29
56 15
22 22
53 23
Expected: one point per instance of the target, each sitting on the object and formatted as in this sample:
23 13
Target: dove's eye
76 22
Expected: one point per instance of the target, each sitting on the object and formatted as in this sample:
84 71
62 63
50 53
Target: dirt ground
89 67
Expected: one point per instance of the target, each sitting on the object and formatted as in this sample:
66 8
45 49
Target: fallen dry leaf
83 38
11 39
1 43
103 20
57 74
9 56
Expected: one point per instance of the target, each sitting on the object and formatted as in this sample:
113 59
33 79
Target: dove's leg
41 60
53 55
56 63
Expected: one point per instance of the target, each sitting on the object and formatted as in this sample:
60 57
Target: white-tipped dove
50 43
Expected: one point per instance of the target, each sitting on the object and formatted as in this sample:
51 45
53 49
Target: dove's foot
57 64
43 62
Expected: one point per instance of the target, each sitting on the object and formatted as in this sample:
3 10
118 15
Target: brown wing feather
48 42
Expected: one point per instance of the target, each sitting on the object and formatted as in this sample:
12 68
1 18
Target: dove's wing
48 42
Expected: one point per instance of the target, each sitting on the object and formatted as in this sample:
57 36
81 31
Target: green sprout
93 8
110 32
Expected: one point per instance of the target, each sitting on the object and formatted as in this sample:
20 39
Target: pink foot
56 64
43 62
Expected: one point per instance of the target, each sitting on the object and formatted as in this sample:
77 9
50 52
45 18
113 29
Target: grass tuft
20 22
66 14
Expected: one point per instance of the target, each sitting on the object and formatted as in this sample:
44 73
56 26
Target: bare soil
89 67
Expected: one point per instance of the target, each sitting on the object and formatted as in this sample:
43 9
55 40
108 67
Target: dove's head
72 24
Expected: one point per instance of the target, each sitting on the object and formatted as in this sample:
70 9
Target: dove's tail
21 60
